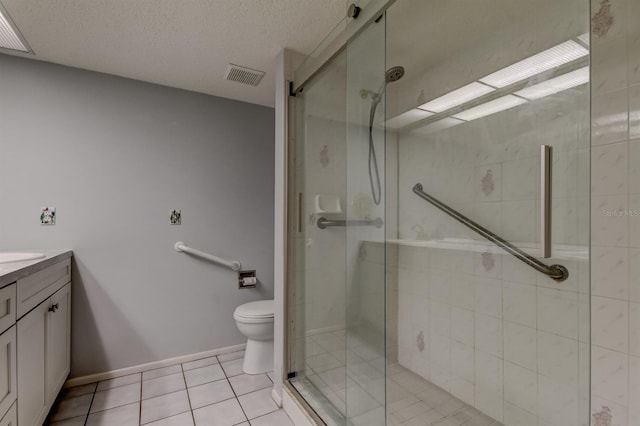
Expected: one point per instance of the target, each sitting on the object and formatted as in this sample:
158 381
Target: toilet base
258 357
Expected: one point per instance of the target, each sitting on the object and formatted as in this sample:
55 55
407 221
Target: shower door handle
545 200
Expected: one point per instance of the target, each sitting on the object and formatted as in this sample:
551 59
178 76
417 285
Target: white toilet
255 320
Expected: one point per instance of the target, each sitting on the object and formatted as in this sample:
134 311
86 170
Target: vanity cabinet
43 341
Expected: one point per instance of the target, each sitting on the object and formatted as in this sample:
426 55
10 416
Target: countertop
13 271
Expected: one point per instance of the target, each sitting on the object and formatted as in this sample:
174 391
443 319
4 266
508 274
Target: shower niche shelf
327 204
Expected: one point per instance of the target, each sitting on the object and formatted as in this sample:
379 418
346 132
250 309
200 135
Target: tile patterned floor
207 392
341 368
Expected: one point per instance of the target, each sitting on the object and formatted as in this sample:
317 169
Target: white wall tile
634 220
603 407
634 274
607 228
489 372
558 358
462 291
519 303
520 179
516 416
610 272
557 402
466 391
519 221
609 68
488 333
558 312
488 183
610 323
513 270
463 361
634 112
609 117
521 387
634 329
462 327
487 264
489 403
439 318
634 165
439 280
488 294
609 169
634 390
520 345
610 375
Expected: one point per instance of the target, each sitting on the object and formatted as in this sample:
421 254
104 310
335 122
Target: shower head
394 74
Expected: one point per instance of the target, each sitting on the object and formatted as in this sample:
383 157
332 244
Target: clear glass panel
317 291
365 202
482 335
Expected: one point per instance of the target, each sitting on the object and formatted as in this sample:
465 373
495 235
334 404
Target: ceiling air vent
243 75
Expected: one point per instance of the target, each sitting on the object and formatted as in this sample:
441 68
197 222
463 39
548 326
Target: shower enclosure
438 266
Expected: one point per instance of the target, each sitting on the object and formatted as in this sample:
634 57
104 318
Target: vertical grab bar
545 200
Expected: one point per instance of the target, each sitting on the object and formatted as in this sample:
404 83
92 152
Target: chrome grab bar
324 223
557 272
232 264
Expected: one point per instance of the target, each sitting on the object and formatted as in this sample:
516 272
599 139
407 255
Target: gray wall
114 156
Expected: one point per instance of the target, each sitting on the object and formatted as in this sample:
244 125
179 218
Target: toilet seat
260 310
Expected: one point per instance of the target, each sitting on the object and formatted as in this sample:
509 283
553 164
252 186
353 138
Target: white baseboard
276 398
83 380
294 410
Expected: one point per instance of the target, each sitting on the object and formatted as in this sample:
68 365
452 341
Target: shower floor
354 379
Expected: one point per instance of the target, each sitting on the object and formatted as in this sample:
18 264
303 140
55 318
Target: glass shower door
486 333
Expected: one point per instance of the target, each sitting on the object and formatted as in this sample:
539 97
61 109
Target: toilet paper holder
247 279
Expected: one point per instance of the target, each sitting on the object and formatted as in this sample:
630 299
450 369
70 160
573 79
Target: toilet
255 321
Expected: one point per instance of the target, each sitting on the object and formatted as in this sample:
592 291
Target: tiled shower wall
479 324
615 213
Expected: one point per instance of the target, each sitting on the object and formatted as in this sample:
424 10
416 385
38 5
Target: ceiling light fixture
407 118
555 85
436 126
490 107
457 97
10 37
544 61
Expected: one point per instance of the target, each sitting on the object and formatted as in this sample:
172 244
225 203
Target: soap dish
326 204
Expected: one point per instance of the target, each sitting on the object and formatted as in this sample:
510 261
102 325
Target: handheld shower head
393 74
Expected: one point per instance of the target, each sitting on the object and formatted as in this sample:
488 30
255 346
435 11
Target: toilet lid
259 309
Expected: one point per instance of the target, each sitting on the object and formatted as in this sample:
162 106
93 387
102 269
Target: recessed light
555 85
490 107
546 60
457 97
10 38
407 118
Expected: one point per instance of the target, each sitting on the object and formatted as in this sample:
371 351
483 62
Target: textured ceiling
185 44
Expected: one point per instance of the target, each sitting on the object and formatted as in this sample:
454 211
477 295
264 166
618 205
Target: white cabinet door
11 418
58 341
7 369
32 334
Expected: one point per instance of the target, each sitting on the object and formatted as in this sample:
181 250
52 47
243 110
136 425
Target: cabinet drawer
7 308
38 287
11 418
8 391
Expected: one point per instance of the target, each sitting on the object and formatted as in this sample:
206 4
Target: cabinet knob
54 308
